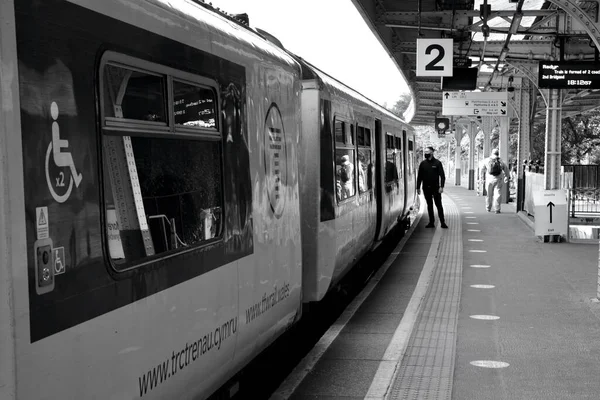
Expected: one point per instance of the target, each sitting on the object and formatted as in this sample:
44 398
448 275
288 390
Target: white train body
167 201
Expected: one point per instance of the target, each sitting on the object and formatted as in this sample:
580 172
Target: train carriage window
193 105
360 136
345 160
163 191
340 132
133 94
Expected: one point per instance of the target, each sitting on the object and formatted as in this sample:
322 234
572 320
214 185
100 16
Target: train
176 188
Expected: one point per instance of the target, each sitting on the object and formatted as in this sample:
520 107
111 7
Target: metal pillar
553 141
503 145
487 136
458 136
472 133
525 94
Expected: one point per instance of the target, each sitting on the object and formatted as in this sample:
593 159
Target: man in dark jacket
431 174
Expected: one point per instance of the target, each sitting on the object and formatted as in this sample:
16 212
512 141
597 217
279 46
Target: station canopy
504 40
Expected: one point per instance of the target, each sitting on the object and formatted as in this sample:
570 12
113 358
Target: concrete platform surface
482 310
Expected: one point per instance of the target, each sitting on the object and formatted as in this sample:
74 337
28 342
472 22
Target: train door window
398 154
345 160
411 157
391 171
163 176
365 159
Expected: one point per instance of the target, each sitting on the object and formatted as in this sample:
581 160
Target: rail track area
483 310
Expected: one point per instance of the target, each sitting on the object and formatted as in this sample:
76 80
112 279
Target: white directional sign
485 104
434 57
550 212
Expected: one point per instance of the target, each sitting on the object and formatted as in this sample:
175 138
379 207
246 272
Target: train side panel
113 300
316 202
12 212
412 200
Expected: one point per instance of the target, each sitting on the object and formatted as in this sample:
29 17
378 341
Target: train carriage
176 187
357 180
151 237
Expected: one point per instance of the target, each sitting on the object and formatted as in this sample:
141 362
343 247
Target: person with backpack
497 174
346 177
431 174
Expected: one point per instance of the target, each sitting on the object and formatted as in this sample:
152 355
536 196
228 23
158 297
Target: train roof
233 27
309 71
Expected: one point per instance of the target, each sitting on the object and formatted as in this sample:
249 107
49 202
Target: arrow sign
503 103
550 204
447 95
503 112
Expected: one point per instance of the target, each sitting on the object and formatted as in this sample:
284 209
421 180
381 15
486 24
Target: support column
472 133
503 145
525 93
553 141
487 136
457 135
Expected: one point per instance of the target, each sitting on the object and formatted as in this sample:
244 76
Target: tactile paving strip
427 368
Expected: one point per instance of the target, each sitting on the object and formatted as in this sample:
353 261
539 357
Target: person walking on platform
431 174
497 174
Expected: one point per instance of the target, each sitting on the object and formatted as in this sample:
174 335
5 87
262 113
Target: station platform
482 310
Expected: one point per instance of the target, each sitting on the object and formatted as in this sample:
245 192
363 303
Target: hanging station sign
568 75
482 104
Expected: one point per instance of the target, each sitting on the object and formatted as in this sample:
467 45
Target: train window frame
344 147
121 127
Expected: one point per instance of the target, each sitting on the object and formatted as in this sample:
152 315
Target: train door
379 162
409 169
407 198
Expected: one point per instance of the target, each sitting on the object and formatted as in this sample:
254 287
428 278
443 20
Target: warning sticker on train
41 224
275 160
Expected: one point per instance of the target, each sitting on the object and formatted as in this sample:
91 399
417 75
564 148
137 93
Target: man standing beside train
431 174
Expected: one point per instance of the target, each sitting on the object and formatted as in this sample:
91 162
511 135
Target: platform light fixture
515 23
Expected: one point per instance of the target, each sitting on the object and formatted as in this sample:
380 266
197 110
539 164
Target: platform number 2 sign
434 57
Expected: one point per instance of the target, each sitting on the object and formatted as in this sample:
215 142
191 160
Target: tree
402 104
580 139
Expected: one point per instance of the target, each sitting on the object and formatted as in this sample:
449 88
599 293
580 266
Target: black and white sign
434 57
485 104
568 75
550 212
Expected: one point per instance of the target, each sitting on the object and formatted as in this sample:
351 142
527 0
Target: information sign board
475 103
550 212
568 75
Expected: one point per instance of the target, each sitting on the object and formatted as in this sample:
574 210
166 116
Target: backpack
496 167
344 175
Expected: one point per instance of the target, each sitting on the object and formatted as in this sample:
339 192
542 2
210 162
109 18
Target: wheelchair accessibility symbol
56 184
58 256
